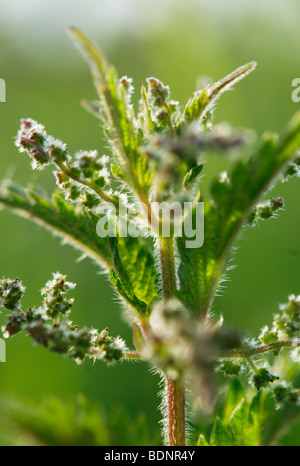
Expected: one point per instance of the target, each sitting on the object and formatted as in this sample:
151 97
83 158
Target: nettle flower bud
231 368
30 133
268 336
126 88
286 393
91 167
62 180
292 168
71 189
263 378
90 200
43 149
126 82
56 149
87 162
55 303
157 92
11 292
287 322
31 138
14 324
50 326
106 347
58 284
266 209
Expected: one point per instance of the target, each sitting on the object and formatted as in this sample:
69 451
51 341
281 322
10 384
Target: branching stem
254 351
88 184
132 355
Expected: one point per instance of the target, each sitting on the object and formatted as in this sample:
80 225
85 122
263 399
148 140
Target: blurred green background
176 42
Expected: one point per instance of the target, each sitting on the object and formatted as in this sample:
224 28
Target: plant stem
175 394
277 345
132 355
175 389
252 364
167 261
88 184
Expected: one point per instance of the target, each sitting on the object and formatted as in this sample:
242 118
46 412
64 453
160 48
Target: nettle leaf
241 427
60 217
145 116
244 420
220 436
199 106
202 442
118 116
63 422
134 274
255 420
273 424
192 175
235 395
233 197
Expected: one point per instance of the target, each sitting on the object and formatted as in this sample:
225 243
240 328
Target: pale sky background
38 20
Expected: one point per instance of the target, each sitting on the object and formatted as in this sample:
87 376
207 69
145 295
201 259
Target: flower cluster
266 209
163 108
284 333
11 292
43 149
81 178
293 168
55 301
286 323
49 324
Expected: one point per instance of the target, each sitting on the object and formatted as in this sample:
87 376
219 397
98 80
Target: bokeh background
176 41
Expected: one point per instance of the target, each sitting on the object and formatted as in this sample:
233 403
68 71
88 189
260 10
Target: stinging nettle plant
167 288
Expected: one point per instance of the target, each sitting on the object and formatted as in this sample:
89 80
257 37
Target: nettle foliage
167 288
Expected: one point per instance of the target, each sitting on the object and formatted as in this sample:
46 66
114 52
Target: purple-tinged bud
31 138
158 91
56 149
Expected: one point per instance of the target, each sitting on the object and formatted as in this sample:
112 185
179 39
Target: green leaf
234 396
134 274
60 217
201 270
202 441
119 118
57 422
273 424
240 425
198 107
192 175
220 436
146 116
116 171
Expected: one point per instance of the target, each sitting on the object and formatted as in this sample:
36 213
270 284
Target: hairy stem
167 261
175 389
175 400
88 184
239 353
132 355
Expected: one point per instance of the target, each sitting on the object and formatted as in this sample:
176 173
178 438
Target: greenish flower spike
49 325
